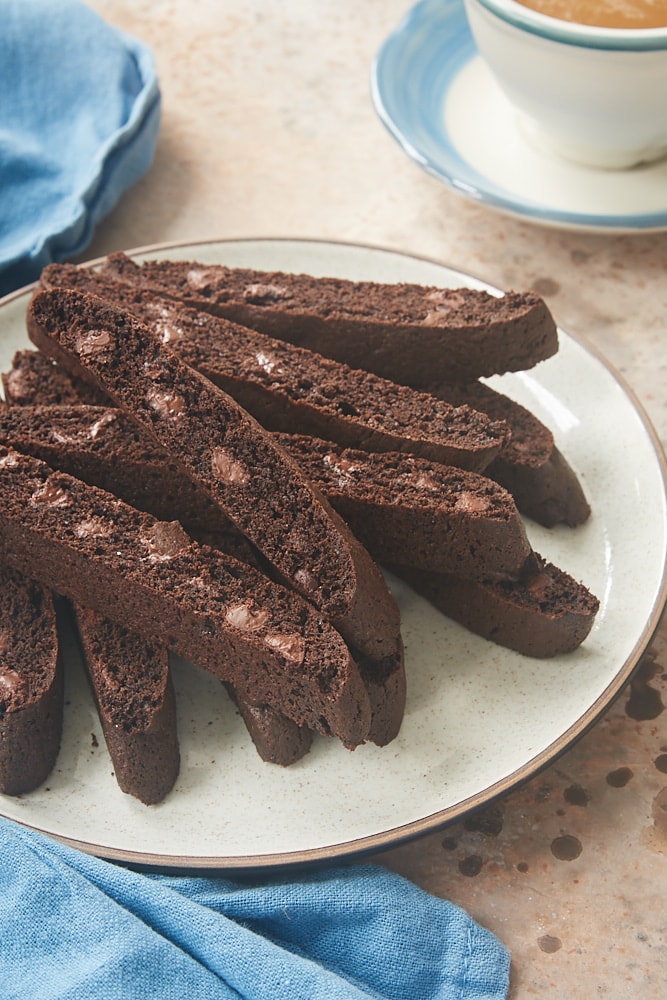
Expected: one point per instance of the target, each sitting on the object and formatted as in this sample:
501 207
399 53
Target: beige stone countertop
269 130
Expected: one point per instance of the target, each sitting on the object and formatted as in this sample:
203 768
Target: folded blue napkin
74 927
79 116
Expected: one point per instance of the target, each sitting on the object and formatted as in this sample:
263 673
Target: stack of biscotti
232 356
515 566
285 385
415 516
151 577
370 621
439 340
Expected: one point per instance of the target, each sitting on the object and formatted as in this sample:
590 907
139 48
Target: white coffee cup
594 95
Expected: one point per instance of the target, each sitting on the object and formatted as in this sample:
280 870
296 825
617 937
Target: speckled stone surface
268 130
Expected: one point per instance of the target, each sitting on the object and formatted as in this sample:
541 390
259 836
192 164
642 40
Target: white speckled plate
479 718
442 105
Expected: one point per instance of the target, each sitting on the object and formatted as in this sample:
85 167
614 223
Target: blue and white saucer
442 105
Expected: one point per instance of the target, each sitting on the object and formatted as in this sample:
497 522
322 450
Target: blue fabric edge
120 162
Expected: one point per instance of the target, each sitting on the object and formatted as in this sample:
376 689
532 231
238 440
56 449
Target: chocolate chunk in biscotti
404 332
529 465
543 614
291 389
223 449
103 448
31 683
34 378
149 576
133 690
418 513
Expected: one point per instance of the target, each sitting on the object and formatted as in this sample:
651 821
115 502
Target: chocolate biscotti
221 447
403 509
543 614
101 447
149 576
529 465
133 690
404 332
31 683
291 389
418 513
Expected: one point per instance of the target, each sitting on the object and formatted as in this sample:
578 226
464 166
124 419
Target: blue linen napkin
79 116
74 927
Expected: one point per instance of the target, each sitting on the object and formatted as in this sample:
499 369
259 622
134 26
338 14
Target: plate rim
468 182
360 847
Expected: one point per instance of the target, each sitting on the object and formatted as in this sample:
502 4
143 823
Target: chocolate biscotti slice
529 465
277 739
418 513
545 613
404 332
133 690
223 449
149 576
31 683
291 389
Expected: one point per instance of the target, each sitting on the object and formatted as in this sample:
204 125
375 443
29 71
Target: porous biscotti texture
31 683
35 378
405 332
133 690
222 448
544 614
149 576
418 513
291 389
529 465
